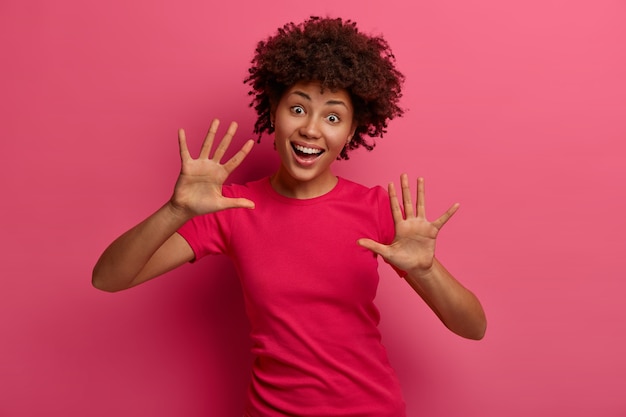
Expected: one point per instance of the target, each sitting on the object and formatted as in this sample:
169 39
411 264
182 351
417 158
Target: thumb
239 203
372 245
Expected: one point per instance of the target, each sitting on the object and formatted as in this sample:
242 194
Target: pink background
515 109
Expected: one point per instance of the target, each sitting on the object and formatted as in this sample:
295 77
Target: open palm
413 247
198 189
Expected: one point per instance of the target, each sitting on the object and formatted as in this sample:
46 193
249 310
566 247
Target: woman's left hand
413 248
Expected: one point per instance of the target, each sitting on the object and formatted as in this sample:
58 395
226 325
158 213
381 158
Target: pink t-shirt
309 292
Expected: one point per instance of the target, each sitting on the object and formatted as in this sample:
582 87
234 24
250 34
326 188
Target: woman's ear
272 116
352 130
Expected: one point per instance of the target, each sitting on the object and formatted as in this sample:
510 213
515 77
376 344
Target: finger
446 216
182 145
225 142
238 203
239 156
372 245
208 140
421 198
396 212
406 196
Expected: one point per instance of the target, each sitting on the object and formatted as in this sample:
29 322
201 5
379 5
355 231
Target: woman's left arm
413 251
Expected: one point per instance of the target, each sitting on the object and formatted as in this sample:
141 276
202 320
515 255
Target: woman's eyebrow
334 102
302 94
329 102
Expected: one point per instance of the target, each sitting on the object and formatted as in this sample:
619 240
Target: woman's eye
297 109
333 118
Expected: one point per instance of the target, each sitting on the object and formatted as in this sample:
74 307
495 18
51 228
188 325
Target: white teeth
309 151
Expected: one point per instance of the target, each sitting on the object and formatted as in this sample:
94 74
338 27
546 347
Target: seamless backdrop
514 109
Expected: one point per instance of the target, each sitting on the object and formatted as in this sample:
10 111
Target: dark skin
153 247
413 251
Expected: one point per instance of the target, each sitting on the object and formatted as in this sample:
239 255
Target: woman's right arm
154 247
146 251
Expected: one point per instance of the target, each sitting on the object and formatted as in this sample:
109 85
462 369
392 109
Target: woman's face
311 129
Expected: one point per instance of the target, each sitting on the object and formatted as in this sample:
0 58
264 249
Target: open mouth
306 153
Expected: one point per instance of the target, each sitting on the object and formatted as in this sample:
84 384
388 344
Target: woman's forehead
312 89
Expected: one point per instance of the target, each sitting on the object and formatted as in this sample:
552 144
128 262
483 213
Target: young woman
304 241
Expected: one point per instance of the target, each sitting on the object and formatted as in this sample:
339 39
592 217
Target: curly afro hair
334 53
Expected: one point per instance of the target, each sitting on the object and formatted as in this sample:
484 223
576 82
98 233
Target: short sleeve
206 235
209 234
387 230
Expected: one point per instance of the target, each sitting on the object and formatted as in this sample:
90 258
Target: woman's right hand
199 186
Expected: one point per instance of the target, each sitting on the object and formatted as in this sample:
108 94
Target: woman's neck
288 186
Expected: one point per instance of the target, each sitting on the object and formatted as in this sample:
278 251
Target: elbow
477 331
99 281
104 287
99 284
475 324
473 329
471 334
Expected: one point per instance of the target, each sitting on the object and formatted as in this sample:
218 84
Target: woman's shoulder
349 186
246 189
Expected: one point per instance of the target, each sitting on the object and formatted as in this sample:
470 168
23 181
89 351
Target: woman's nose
310 129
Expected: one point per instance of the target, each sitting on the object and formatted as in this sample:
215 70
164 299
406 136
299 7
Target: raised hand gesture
199 186
413 248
